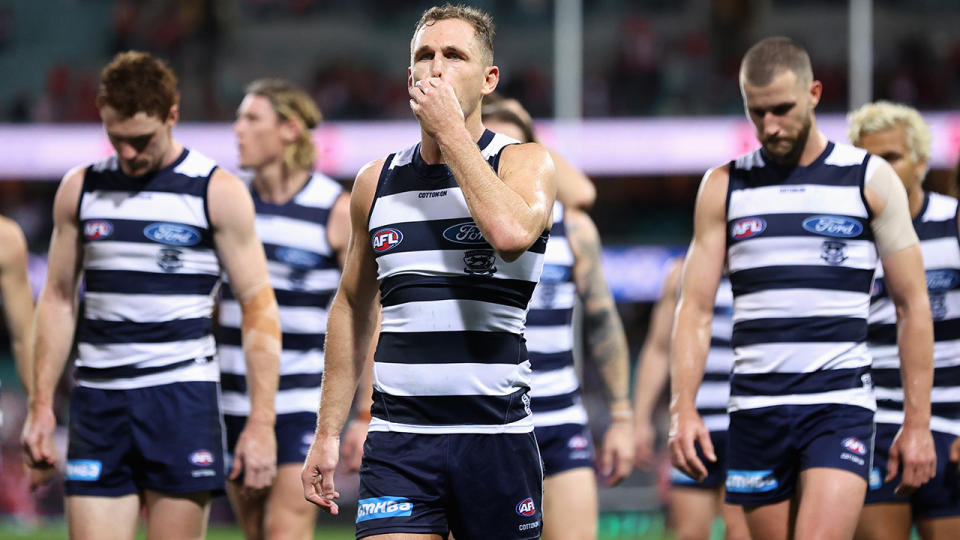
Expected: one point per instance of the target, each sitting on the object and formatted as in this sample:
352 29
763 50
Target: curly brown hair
135 81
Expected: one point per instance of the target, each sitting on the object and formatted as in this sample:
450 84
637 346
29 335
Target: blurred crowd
638 61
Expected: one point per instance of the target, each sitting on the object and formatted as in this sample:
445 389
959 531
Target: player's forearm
348 346
650 379
56 322
916 363
608 349
689 347
261 340
507 222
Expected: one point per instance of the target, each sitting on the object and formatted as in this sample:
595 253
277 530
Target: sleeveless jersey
555 393
714 392
150 275
304 274
451 355
801 258
936 226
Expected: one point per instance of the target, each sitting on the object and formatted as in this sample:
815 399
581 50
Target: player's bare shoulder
67 199
532 156
365 188
228 199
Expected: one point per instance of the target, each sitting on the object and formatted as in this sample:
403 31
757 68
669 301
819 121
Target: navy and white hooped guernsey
304 274
150 275
801 258
555 394
714 392
936 226
451 356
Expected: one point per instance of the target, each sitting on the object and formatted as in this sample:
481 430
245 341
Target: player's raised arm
902 262
690 341
351 327
241 253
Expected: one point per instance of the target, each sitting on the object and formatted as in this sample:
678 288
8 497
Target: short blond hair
292 103
481 21
883 115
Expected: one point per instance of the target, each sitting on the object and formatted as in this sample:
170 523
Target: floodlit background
642 94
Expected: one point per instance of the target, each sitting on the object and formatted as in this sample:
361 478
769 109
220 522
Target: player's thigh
886 521
177 517
570 505
692 511
249 509
771 521
735 522
830 503
946 528
289 515
102 518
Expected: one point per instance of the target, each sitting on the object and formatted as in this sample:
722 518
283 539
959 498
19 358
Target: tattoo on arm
605 339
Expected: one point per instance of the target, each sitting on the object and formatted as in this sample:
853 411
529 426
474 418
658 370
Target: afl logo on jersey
464 233
172 234
201 458
747 228
855 445
386 239
526 507
836 226
97 229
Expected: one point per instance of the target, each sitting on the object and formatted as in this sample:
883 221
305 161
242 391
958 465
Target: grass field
59 532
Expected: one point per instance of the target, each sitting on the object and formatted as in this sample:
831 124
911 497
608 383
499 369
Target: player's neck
816 144
915 198
275 184
430 147
172 154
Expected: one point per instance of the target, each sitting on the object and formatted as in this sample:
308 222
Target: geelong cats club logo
479 262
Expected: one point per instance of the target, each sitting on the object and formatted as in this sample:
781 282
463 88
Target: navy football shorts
477 486
166 438
294 433
564 447
769 447
716 471
938 498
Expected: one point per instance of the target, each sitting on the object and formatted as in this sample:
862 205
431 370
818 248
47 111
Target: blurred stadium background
642 94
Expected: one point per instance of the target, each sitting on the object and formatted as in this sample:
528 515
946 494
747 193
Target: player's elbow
511 242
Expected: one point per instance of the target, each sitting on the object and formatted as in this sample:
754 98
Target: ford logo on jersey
855 445
383 507
526 507
464 233
97 229
172 234
747 228
201 458
942 280
297 258
836 226
386 239
555 273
